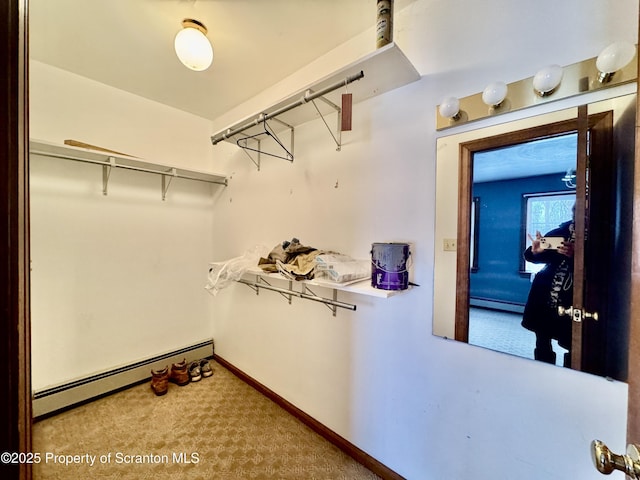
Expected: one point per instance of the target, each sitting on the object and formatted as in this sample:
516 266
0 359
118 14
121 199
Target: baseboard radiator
496 305
78 391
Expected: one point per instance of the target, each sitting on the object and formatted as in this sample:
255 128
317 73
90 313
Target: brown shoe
179 373
160 381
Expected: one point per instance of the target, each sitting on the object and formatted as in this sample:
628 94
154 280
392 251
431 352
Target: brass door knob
565 311
593 315
576 314
606 461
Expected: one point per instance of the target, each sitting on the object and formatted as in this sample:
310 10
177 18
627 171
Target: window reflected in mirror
475 233
542 213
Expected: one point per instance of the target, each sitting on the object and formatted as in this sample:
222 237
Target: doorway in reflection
517 190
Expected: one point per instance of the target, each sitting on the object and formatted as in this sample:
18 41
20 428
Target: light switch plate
449 245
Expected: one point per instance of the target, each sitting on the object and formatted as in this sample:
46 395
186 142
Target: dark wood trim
578 258
15 362
600 339
633 406
465 190
343 444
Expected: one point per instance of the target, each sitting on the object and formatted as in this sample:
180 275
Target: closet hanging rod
307 97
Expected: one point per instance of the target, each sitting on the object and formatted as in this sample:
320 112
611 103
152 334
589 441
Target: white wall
116 278
428 408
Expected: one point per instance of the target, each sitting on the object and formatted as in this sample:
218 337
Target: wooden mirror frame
633 406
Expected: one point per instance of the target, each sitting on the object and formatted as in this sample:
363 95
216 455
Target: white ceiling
128 44
530 159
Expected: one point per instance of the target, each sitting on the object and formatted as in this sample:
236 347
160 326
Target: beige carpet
219 428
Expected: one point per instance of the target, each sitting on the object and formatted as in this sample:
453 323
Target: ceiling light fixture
547 80
192 45
613 58
569 178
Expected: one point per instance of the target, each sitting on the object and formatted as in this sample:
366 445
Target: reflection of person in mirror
551 288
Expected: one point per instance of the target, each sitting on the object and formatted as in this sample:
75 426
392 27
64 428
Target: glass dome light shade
547 79
614 57
192 46
450 107
494 94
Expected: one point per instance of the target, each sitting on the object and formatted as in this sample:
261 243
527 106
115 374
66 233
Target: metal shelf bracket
337 138
331 305
288 293
165 184
256 161
106 173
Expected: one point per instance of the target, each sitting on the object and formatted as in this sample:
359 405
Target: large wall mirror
567 175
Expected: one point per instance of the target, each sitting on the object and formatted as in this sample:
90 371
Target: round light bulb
192 46
547 80
494 94
613 58
450 107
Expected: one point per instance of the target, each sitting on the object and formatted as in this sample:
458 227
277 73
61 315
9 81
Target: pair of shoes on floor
200 368
181 374
160 378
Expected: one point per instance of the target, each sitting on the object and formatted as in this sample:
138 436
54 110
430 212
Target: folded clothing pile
292 259
300 262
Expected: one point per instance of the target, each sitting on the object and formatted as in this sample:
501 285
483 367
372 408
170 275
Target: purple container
389 266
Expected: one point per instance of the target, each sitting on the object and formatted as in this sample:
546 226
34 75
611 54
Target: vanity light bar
578 78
